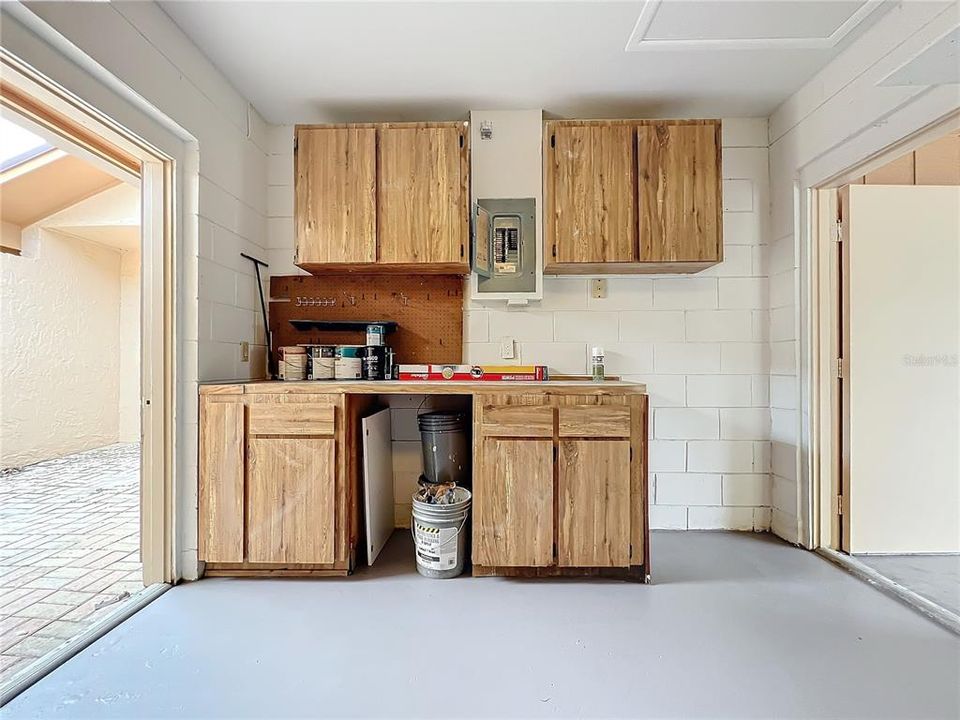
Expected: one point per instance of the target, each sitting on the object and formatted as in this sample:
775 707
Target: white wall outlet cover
244 351
598 288
507 349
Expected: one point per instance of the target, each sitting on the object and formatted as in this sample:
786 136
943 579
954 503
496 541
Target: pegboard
428 310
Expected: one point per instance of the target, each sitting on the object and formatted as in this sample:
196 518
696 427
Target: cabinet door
220 499
513 503
335 191
680 192
291 500
422 213
594 503
592 206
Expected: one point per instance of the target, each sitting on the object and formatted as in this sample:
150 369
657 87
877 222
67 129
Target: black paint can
374 362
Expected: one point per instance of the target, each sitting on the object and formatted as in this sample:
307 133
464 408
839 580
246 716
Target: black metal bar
263 309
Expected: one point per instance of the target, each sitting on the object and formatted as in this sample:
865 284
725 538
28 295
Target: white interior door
904 407
377 481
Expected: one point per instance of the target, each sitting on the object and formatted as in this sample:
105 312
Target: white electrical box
506 189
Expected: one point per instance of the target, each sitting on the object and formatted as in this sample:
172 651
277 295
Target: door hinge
839 504
840 368
839 230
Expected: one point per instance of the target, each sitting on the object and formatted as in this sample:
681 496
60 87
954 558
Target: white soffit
747 24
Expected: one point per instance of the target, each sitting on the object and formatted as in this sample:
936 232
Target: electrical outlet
507 349
244 351
598 288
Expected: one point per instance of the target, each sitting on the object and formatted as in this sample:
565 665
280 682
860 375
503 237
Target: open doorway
70 471
890 252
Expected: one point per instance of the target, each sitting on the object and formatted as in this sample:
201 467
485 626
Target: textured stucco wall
59 354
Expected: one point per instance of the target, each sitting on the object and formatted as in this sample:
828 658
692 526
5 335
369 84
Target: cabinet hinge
839 504
296 142
840 368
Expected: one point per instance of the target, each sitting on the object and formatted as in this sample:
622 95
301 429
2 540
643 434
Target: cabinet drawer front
595 421
291 419
517 420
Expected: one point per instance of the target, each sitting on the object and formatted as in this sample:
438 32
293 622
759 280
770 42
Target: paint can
376 333
293 363
321 362
375 362
348 363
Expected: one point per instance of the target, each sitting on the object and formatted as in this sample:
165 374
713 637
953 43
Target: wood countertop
422 387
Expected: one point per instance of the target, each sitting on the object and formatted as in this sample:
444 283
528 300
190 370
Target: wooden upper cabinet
423 212
680 197
335 195
385 197
591 171
632 196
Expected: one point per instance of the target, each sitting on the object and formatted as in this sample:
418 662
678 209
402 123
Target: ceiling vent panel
746 24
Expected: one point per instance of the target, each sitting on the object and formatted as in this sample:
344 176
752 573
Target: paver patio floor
69 548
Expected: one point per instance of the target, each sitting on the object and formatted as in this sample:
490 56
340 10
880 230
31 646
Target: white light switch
507 351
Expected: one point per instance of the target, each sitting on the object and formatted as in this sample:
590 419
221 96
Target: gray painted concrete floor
935 577
737 625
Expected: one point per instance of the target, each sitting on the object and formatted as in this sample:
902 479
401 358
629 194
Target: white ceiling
354 61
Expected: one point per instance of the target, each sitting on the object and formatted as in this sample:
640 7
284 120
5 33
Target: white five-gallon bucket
439 535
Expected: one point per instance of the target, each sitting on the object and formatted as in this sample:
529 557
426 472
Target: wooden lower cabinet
563 491
513 506
274 490
593 483
291 498
559 480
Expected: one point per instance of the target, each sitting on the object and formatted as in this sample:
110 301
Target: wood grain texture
428 311
591 188
639 482
291 500
637 268
289 419
680 194
335 195
513 520
593 484
221 474
517 421
423 206
594 421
